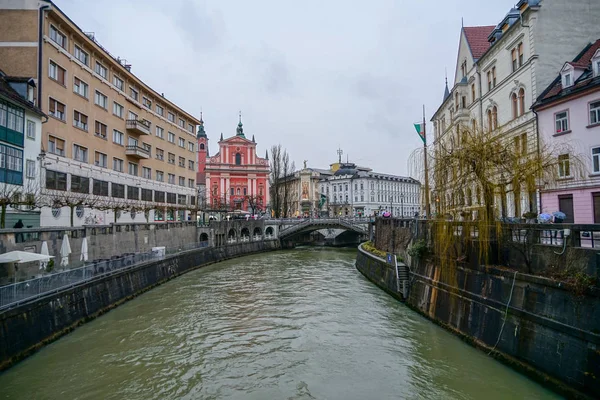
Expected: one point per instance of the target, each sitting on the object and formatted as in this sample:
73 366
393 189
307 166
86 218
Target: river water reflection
300 324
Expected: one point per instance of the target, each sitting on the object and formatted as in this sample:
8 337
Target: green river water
299 324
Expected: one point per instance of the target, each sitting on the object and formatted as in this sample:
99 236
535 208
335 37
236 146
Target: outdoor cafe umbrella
22 257
65 250
44 251
84 250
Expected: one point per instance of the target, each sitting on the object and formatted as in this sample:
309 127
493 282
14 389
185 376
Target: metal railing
25 291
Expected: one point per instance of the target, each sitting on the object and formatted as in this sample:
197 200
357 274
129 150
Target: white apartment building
500 72
357 191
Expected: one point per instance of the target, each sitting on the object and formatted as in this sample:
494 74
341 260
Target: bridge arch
257 231
204 237
231 234
245 233
269 231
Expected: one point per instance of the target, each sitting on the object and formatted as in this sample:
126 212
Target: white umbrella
22 257
65 250
84 250
44 251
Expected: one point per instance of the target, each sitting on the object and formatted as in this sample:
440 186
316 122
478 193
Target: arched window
515 107
201 146
469 198
238 190
521 101
238 159
495 117
489 118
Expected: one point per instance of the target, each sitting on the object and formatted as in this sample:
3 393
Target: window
81 55
118 82
56 146
159 110
118 137
80 120
146 194
147 147
101 100
489 80
133 193
171 158
147 102
515 105
56 109
57 73
118 190
171 179
30 169
596 160
160 154
146 173
80 87
171 199
101 160
191 164
133 93
182 162
238 159
58 37
117 164
160 176
456 101
181 181
521 101
171 137
80 184
101 70
514 59
492 115
12 118
132 169
190 183
493 76
463 68
131 141
181 123
464 102
56 180
100 188
567 80
171 117
100 129
160 132
80 153
562 121
564 167
595 113
520 53
191 146
118 109
473 93
182 143
190 128
30 129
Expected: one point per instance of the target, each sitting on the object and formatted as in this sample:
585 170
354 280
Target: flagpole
427 208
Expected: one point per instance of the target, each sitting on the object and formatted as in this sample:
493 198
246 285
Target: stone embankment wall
25 329
104 242
549 332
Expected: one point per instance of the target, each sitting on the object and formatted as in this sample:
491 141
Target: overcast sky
311 75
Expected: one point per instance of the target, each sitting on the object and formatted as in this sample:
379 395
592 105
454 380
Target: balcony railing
137 151
135 125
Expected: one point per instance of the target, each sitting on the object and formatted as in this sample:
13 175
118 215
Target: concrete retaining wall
550 333
27 328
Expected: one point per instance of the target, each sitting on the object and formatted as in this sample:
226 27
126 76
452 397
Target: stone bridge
292 227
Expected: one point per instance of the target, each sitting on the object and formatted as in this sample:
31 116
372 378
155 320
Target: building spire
221 137
340 152
240 127
266 154
201 132
446 90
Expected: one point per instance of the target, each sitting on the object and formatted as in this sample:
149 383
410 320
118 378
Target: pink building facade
569 123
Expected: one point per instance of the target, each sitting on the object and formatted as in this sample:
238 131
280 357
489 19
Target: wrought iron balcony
137 151
142 127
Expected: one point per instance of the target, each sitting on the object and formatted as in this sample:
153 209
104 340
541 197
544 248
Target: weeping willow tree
473 174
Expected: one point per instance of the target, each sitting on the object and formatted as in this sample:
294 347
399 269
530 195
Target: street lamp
402 204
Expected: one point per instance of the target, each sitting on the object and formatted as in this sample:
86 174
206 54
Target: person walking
19 235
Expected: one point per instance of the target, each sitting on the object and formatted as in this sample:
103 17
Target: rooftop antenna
340 152
462 22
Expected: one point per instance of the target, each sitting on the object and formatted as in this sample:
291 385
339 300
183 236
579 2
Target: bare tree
14 196
255 202
276 180
72 200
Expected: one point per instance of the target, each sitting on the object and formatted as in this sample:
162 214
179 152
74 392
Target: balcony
141 127
137 152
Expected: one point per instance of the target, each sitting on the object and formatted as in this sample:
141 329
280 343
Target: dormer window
596 63
567 80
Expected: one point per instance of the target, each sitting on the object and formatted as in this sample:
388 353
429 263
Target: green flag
421 131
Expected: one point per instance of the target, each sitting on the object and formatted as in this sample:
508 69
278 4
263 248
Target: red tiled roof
583 60
477 38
